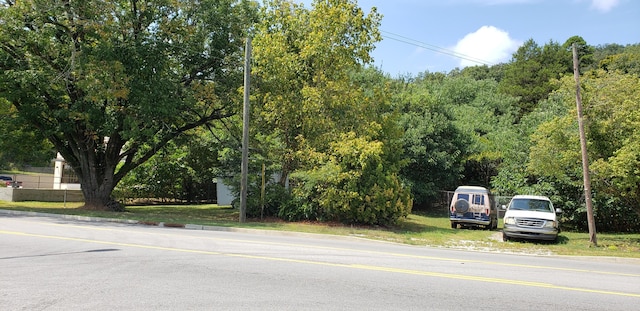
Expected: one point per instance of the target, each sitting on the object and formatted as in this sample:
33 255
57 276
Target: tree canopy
531 70
110 83
21 145
303 59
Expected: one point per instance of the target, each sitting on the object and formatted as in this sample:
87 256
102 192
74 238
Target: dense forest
336 138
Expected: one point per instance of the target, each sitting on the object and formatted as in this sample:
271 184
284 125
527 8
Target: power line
403 39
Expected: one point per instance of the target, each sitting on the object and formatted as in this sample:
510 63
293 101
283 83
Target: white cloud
488 45
604 5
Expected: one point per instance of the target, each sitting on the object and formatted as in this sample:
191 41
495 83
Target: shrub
352 185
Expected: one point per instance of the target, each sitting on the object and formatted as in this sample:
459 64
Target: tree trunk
100 200
96 171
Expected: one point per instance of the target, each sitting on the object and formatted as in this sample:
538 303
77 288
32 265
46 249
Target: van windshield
531 205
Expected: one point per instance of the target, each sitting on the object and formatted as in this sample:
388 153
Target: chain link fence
32 178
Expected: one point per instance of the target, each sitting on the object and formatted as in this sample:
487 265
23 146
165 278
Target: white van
531 217
473 206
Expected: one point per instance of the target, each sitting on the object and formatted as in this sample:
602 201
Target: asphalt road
50 263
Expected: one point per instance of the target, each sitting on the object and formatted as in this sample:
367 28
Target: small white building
63 176
224 196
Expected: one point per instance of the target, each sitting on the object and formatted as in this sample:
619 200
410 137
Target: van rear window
478 199
463 196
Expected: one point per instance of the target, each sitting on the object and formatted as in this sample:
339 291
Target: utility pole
585 158
245 132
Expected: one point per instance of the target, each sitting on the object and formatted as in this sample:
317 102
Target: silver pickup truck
531 217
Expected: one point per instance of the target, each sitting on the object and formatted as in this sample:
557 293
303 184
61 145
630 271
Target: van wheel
454 225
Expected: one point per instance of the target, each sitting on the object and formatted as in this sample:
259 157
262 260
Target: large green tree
110 83
303 61
323 116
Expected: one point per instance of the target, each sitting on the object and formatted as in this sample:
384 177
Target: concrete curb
63 216
184 226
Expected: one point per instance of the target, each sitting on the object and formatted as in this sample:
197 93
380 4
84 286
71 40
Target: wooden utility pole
262 191
245 132
585 158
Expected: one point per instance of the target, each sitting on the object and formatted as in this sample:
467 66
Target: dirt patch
496 245
496 237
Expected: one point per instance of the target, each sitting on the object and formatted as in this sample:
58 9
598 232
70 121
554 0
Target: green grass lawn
428 229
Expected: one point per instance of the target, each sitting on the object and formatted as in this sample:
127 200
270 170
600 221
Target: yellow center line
375 252
350 266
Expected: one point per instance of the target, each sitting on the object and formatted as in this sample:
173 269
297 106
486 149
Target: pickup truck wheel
454 225
505 238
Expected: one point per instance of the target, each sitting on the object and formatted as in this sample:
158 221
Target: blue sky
424 35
